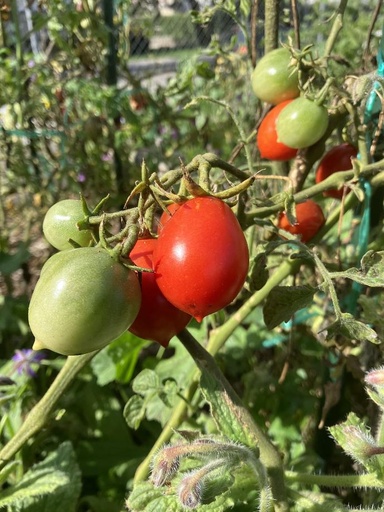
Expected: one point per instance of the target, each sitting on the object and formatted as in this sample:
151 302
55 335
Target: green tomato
273 80
301 123
84 299
59 225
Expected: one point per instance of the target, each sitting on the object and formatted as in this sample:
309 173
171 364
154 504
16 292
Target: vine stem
41 412
271 24
365 480
336 27
329 284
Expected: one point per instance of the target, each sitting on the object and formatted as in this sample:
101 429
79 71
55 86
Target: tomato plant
83 300
273 80
158 320
59 225
266 138
201 258
309 220
336 159
301 123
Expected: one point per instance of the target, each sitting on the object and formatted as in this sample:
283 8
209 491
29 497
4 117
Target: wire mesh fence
161 29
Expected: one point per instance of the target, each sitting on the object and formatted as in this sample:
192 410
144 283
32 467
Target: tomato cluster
89 295
295 122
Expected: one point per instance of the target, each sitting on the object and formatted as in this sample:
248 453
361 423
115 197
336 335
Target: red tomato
157 320
167 215
337 159
201 258
266 137
309 220
138 101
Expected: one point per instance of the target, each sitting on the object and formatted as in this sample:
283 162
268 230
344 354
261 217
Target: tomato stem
355 480
41 412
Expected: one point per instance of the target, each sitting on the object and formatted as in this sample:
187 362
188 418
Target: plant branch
271 24
365 480
336 28
41 412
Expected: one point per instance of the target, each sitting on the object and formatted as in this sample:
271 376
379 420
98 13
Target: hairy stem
271 24
365 480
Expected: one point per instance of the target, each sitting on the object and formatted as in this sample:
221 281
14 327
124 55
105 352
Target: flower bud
357 442
375 378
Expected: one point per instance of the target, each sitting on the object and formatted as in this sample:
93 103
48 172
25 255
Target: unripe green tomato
273 80
85 298
59 225
301 123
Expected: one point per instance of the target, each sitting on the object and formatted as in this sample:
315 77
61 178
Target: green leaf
259 273
118 360
134 411
352 329
373 311
103 368
9 263
284 301
371 272
53 484
147 382
146 497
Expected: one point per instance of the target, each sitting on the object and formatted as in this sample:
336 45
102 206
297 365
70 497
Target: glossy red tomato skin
266 138
309 219
201 258
167 215
158 320
336 159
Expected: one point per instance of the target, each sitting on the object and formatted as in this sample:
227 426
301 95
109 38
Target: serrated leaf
352 329
371 272
283 301
53 484
134 411
103 368
146 382
146 497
